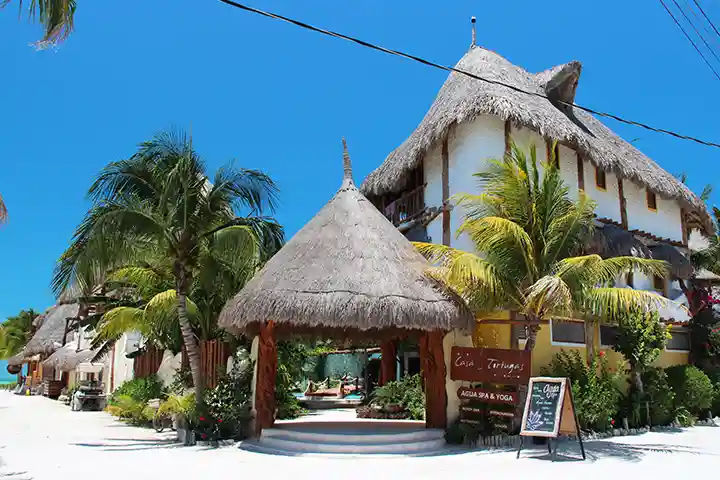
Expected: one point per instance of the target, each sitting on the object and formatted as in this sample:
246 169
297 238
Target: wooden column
623 204
388 364
508 140
580 172
446 234
683 225
432 360
266 372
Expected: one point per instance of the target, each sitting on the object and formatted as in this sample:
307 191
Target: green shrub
660 396
133 411
596 396
229 401
693 389
406 393
140 389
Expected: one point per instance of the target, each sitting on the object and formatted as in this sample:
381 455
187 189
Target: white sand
44 440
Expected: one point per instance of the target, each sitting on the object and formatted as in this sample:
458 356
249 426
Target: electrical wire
689 39
423 61
707 18
697 32
701 21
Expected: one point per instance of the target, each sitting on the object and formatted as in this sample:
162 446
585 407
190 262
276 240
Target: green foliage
140 390
640 339
292 358
660 396
131 410
407 393
595 394
693 389
229 402
462 434
529 230
15 332
181 381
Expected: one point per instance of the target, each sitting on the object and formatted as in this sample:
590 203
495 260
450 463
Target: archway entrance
432 361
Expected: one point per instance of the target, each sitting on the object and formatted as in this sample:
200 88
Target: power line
697 32
689 39
701 21
423 61
707 18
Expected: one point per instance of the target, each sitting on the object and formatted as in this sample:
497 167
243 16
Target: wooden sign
490 365
488 396
549 411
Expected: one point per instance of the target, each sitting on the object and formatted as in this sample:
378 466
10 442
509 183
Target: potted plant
182 411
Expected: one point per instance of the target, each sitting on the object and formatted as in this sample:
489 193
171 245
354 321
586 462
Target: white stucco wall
608 200
459 339
470 148
122 368
169 365
568 170
665 222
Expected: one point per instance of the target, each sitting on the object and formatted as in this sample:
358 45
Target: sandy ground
42 439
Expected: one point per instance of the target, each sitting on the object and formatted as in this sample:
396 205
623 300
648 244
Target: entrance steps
371 437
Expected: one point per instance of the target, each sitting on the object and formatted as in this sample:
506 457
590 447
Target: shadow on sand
130 444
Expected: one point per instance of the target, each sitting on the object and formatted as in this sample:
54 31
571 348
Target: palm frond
549 295
613 303
56 17
3 211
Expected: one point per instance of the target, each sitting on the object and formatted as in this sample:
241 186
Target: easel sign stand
549 411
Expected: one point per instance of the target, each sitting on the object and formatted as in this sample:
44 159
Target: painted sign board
487 396
490 365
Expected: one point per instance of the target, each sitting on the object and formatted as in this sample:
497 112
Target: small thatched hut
348 272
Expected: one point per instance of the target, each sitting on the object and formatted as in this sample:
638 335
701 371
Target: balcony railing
407 206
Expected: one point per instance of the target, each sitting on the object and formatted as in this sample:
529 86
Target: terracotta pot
393 408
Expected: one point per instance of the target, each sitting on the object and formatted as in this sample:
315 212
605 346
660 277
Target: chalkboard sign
543 407
549 410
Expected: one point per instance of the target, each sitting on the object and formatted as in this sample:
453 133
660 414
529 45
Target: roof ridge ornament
347 165
474 33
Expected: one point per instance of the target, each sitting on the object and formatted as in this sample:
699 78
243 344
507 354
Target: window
608 335
630 279
679 341
651 200
659 284
600 180
567 332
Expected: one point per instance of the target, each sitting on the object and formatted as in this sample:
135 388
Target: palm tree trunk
637 380
191 346
589 341
531 332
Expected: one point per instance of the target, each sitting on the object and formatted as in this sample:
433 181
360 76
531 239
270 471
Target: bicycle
161 420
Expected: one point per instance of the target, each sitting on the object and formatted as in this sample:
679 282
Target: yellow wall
495 335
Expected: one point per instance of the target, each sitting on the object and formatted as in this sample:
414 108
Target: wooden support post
432 360
623 204
580 172
266 373
445 177
683 225
388 363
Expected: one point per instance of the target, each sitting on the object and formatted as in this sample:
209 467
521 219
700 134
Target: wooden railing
407 206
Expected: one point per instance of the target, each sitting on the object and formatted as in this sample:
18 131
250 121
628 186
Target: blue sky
279 98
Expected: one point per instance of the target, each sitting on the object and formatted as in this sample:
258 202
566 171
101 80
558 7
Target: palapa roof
610 241
680 266
348 269
67 358
49 336
463 98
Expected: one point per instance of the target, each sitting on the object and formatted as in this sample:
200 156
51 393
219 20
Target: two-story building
641 209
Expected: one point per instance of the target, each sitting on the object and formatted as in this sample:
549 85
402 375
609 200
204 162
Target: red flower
202 419
219 420
706 346
612 421
203 436
602 354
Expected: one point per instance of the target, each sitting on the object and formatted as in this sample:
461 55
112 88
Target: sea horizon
5 377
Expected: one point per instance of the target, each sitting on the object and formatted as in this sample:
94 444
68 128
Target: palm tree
528 230
159 204
15 333
3 211
56 17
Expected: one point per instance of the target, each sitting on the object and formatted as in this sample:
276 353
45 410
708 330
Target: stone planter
186 436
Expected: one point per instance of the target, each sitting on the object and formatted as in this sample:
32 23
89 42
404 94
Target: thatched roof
610 241
68 358
680 266
16 360
50 335
348 269
462 98
706 275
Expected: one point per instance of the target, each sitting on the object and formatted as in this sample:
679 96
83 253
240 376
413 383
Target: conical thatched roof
347 269
462 98
680 266
49 336
67 358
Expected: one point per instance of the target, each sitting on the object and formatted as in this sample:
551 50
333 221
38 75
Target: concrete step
352 439
255 446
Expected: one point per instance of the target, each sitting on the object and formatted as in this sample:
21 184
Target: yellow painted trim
598 187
